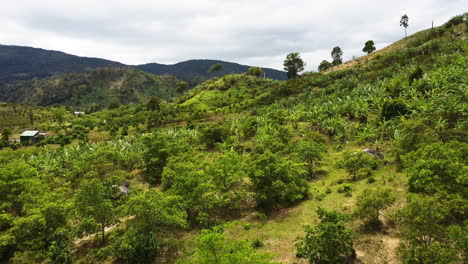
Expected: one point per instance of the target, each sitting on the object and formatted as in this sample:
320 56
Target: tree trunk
103 234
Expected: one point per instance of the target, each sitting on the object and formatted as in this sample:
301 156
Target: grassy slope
400 44
280 232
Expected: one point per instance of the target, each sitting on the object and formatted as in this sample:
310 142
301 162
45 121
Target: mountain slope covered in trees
242 169
19 63
193 69
101 86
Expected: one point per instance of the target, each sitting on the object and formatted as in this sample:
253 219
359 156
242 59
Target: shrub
429 232
277 180
370 202
257 243
393 108
329 242
456 20
212 134
346 188
438 167
358 164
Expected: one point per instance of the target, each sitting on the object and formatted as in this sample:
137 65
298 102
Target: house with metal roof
29 136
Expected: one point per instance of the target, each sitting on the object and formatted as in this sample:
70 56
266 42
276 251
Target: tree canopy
336 56
369 46
293 64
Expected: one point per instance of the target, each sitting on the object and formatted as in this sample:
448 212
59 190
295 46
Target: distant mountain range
18 63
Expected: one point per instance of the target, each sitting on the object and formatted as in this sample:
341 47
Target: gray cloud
258 32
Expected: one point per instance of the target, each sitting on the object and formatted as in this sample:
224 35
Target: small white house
79 113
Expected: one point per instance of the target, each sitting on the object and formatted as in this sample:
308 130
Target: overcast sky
252 32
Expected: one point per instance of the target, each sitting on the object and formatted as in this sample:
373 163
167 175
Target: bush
438 167
346 188
257 243
329 242
358 164
277 180
430 233
370 202
393 108
137 248
213 133
456 20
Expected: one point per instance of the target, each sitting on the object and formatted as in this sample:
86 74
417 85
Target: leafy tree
276 179
95 208
324 65
114 103
213 248
227 182
154 120
215 68
6 133
369 47
429 235
438 167
309 152
293 64
159 147
59 113
393 108
329 242
181 87
336 55
371 201
185 176
17 182
145 206
213 133
411 135
255 71
154 213
415 75
404 22
80 132
358 163
59 251
154 103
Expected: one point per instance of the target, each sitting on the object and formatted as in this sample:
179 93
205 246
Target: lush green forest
242 169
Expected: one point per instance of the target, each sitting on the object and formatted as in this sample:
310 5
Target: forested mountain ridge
101 86
361 164
193 69
18 63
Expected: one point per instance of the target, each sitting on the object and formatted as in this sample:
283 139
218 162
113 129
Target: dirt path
77 243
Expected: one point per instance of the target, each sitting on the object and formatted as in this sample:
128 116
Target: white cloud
258 32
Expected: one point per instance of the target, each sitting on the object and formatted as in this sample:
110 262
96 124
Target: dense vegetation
100 88
232 170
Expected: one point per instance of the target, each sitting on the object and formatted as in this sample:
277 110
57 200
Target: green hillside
101 86
243 169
